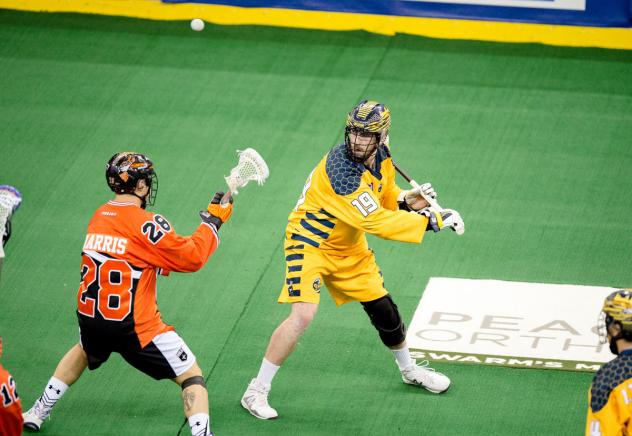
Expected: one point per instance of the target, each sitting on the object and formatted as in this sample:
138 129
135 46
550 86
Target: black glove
7 233
402 205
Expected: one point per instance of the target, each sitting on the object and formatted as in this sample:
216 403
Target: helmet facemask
603 329
150 198
360 144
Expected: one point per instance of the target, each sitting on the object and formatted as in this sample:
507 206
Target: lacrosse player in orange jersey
124 250
610 396
351 192
11 407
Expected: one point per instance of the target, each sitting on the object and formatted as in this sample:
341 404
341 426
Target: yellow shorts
348 278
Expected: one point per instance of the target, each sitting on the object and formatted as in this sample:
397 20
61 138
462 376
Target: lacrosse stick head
10 200
251 167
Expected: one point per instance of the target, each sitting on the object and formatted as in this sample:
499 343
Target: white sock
54 390
199 424
402 357
267 371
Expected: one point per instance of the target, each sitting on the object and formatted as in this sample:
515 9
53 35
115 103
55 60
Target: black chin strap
143 200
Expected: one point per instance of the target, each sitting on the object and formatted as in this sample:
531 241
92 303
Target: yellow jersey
610 398
342 200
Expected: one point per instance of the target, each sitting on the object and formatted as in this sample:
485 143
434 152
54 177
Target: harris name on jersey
105 243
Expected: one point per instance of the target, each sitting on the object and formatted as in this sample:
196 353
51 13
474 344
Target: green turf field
532 144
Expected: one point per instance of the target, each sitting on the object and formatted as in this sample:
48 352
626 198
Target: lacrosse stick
251 166
431 201
10 200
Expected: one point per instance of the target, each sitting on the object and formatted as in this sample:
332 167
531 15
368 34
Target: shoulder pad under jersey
611 375
344 174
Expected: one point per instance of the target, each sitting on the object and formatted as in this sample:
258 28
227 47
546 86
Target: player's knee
302 315
386 319
193 371
193 381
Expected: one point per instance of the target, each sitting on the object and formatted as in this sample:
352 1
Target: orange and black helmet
125 169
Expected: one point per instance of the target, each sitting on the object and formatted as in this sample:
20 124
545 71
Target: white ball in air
197 24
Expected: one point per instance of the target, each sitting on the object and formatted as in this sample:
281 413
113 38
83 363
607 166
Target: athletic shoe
32 418
255 400
426 377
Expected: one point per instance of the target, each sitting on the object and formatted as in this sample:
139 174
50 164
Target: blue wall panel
606 13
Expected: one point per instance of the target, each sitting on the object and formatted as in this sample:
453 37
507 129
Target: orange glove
216 213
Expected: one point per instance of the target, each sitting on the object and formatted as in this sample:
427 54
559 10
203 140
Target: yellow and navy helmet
125 169
617 308
368 117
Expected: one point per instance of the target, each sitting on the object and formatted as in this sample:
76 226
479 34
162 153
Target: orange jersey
11 410
124 249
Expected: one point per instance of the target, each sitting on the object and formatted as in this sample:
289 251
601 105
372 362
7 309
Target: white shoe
32 418
255 400
426 377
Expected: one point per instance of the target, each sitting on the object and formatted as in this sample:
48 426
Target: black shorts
166 356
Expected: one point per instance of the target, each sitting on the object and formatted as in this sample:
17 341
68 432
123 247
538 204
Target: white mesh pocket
10 200
251 167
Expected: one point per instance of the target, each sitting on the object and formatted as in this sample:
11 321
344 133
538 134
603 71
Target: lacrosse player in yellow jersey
610 407
351 192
